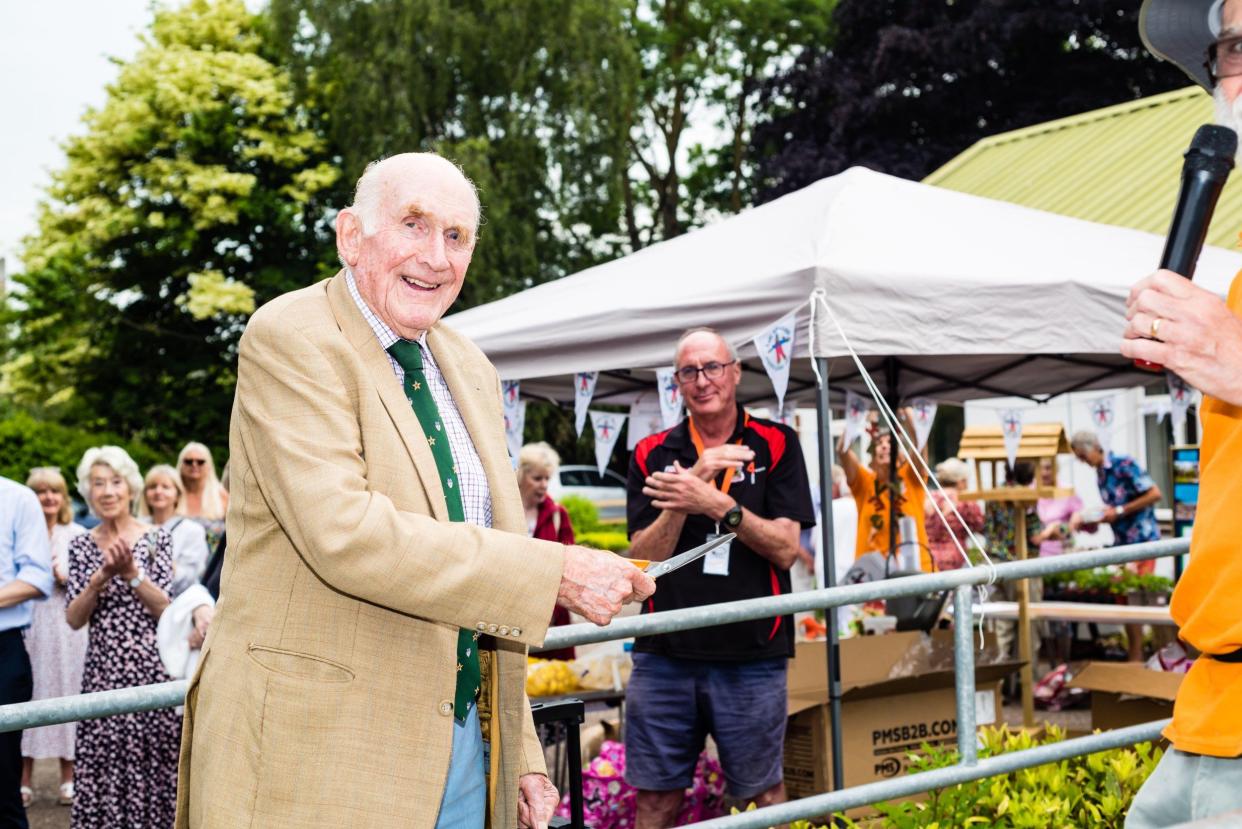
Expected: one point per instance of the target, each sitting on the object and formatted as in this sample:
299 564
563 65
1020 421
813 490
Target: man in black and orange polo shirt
719 471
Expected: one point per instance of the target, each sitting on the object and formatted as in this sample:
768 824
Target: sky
54 62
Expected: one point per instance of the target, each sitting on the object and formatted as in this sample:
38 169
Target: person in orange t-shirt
868 485
1190 331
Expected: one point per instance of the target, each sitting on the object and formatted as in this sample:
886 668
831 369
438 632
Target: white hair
119 461
1084 441
952 471
537 457
369 191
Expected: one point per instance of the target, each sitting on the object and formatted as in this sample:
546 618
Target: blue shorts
671 705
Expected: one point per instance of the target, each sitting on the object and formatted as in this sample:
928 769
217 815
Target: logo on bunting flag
1011 430
856 409
670 396
607 428
924 415
509 392
584 390
515 427
1103 417
776 347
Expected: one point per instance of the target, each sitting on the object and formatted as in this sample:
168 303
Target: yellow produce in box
548 677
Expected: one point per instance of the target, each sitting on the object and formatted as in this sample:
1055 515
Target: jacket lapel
474 393
358 331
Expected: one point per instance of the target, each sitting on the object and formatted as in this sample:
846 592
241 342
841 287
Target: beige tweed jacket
323 698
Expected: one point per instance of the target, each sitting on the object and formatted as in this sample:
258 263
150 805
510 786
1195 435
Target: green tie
410 356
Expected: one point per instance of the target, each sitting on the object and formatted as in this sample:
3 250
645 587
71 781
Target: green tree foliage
26 443
529 99
191 197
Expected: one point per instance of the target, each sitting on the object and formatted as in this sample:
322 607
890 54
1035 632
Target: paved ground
45 812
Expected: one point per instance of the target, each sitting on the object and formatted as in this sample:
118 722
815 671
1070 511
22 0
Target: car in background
606 492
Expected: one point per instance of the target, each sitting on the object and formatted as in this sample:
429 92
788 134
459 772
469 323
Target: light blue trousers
1186 787
464 803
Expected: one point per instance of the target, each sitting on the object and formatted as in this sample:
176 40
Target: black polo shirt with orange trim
774 485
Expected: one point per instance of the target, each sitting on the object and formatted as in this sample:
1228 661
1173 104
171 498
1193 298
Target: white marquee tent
943 294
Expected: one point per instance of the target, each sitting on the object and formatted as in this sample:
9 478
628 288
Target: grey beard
1229 114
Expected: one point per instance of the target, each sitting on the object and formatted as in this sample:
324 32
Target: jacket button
482 625
446 708
491 628
504 630
516 631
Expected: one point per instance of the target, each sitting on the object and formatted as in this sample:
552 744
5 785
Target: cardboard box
883 718
1127 693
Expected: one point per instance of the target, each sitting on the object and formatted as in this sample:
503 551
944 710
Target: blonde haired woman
545 519
119 575
206 500
954 477
163 501
56 650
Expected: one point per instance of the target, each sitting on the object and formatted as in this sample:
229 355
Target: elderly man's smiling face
410 259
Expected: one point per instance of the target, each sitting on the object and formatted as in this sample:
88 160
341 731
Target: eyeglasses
712 371
1224 58
194 462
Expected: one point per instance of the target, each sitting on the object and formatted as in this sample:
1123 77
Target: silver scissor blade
663 568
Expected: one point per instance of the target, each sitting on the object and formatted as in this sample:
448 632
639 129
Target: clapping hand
718 458
686 492
118 559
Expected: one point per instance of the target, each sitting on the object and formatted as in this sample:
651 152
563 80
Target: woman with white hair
119 575
206 499
954 477
163 501
545 519
56 650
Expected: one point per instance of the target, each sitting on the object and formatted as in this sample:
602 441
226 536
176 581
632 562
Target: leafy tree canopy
191 197
906 85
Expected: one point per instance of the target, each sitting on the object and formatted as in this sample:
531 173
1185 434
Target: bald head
385 182
708 373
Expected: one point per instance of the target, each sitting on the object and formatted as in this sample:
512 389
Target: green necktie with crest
410 357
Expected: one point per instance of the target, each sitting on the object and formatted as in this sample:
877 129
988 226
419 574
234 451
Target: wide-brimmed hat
1180 32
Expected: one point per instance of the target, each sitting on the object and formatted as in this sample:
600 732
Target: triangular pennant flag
1181 395
584 390
776 347
1103 417
670 396
856 409
515 427
645 418
1011 428
924 416
509 393
787 414
607 428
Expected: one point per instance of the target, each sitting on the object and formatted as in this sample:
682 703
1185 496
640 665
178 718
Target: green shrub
1092 790
582 514
26 442
611 540
1116 580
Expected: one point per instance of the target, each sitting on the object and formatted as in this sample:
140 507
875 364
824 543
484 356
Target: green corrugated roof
1119 165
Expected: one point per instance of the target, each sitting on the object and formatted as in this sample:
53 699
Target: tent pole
827 545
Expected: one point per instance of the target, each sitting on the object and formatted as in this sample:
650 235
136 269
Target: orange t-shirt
873 512
1207 717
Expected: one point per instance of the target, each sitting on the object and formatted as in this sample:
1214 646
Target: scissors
663 568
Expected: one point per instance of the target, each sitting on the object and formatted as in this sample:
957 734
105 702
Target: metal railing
969 767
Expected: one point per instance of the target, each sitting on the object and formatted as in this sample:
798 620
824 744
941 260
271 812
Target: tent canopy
941 293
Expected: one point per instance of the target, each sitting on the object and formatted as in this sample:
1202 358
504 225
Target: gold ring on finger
1155 328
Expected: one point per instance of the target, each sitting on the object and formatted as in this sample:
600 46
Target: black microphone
1208 164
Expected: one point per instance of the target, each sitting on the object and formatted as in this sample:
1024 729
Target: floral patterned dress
126 773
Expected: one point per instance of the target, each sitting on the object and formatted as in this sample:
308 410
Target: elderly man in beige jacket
366 665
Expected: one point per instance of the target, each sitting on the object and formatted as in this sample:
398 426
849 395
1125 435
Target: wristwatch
137 580
733 517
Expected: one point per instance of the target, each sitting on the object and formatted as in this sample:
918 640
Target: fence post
964 669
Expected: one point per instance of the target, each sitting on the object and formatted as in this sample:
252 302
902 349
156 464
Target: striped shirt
476 496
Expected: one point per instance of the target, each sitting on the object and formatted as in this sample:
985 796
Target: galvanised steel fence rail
961 582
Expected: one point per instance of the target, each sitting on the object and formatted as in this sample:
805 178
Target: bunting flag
645 418
775 347
584 390
670 396
1103 418
787 415
1011 429
515 426
1181 395
607 427
856 409
924 415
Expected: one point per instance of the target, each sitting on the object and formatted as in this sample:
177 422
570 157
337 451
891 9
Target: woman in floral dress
119 574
